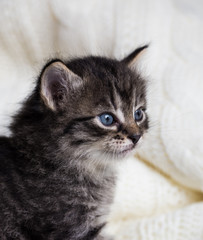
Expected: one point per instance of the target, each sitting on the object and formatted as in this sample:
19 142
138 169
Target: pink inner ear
57 85
54 85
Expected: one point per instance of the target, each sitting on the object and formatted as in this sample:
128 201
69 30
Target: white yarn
151 202
147 206
185 223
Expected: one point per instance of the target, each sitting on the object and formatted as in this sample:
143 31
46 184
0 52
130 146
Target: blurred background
159 192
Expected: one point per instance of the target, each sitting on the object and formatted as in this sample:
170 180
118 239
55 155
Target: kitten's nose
135 138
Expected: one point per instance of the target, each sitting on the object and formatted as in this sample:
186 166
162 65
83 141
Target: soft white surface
151 202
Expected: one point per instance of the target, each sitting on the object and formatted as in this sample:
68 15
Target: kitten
57 170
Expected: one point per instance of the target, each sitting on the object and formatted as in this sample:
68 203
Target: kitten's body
56 170
46 202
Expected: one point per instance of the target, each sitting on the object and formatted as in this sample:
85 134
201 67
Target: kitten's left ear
132 57
57 83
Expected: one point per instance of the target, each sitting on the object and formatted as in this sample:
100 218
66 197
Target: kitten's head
90 108
98 104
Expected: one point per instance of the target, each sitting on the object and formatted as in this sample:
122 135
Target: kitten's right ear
132 58
56 83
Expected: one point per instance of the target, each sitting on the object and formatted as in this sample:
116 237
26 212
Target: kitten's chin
107 157
125 153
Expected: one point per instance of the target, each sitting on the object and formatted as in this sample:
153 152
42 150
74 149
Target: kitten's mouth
125 151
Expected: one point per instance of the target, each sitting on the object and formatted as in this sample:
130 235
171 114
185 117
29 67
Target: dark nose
135 138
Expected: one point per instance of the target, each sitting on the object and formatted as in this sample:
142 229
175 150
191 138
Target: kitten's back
7 153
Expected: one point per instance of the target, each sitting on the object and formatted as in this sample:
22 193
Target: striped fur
57 170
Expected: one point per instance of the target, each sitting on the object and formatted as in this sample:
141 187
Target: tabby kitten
57 170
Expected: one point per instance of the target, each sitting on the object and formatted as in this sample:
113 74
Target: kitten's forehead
108 83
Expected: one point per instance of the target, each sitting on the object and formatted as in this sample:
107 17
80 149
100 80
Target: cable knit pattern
159 193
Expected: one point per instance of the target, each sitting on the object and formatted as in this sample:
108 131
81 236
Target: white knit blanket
159 193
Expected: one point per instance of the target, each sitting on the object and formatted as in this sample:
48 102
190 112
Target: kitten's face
110 118
102 114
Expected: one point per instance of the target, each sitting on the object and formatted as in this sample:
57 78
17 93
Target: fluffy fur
57 170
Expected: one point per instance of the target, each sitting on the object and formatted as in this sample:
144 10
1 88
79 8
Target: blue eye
138 115
106 119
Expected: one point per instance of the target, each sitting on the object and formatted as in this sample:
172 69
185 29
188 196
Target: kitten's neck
44 162
99 170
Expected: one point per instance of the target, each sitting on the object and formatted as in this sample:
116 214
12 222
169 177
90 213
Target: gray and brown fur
57 170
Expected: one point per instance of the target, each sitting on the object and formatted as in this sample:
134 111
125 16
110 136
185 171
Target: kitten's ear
132 57
57 81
